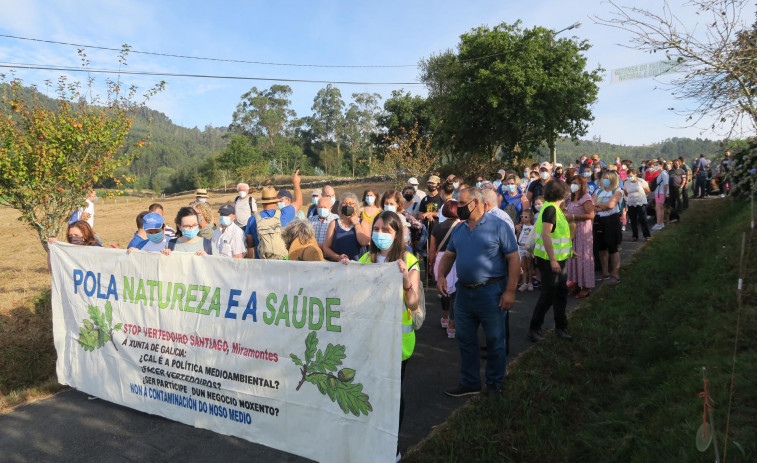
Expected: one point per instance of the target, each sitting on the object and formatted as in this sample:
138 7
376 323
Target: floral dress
581 266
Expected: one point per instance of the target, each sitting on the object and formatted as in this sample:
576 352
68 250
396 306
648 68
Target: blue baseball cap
152 220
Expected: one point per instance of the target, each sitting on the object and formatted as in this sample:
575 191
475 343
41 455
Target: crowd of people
547 228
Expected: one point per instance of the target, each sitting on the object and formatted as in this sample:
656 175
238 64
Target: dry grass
27 355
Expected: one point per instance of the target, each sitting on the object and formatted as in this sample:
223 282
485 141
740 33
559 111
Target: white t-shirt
90 209
664 178
229 242
155 247
604 196
635 192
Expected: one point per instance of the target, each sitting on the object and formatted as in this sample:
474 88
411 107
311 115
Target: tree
507 90
360 124
718 57
404 112
408 154
264 112
327 121
49 157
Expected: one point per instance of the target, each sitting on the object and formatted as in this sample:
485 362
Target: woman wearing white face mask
370 209
580 212
188 239
636 190
391 201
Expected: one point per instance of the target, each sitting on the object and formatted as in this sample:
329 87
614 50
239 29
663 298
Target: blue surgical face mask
606 182
201 200
190 234
478 184
323 212
587 174
456 185
383 241
333 200
155 238
225 220
390 208
369 200
512 188
315 201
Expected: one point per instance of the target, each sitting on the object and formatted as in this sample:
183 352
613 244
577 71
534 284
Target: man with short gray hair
490 206
485 252
243 210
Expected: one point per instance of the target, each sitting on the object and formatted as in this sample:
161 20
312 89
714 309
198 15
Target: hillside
568 151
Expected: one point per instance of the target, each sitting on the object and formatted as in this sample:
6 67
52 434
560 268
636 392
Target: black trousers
674 201
638 216
554 293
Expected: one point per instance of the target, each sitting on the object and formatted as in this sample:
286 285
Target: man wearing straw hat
272 220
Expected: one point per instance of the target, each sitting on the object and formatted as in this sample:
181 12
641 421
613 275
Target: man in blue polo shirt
270 203
486 254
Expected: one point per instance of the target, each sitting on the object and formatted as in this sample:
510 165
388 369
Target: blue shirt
480 253
287 215
591 187
136 242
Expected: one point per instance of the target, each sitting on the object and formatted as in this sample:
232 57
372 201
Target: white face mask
573 188
242 194
544 175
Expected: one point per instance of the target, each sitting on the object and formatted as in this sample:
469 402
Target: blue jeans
474 307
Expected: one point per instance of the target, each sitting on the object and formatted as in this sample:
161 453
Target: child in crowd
523 229
538 203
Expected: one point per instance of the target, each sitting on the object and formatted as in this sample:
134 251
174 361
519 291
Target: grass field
27 355
626 389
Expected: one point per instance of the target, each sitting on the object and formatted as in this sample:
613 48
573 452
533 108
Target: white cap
317 192
412 181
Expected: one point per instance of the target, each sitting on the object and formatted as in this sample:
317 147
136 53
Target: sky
358 33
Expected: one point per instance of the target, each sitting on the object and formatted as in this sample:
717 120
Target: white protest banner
299 356
642 71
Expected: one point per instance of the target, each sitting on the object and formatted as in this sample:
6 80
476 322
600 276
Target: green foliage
626 389
50 155
319 368
98 329
508 90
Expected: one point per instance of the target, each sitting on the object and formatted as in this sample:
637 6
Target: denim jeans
474 307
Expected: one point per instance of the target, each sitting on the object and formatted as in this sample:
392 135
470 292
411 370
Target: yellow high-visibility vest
408 333
561 242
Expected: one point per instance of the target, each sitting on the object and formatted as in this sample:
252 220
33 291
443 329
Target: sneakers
460 391
658 226
398 458
563 334
535 335
445 322
523 287
530 287
623 228
451 333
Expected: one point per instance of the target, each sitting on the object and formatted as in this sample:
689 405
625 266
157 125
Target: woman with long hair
580 211
437 245
387 245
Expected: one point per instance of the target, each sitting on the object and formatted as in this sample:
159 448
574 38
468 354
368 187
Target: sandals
582 294
613 280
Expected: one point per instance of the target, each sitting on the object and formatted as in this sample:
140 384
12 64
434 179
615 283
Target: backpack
510 209
249 200
207 245
655 183
270 243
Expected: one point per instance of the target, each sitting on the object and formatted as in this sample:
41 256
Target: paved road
70 428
